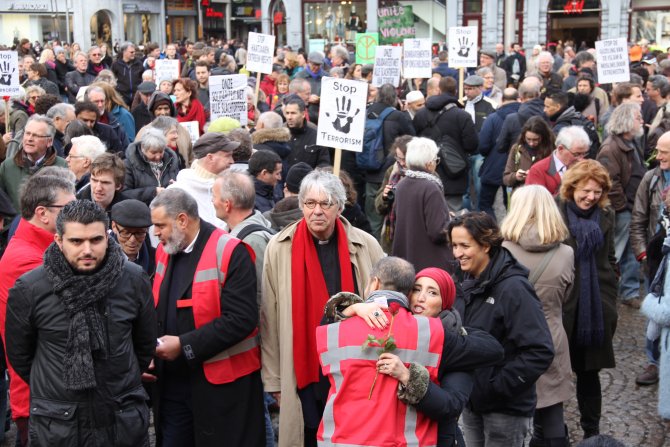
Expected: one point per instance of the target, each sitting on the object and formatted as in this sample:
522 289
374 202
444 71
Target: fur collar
280 134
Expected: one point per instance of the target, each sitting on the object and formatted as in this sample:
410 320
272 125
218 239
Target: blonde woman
534 231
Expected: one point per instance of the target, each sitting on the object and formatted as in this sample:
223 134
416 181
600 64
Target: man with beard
623 159
303 136
80 330
208 382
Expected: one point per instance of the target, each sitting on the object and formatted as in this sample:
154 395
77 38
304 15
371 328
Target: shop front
650 20
336 22
142 22
182 20
35 20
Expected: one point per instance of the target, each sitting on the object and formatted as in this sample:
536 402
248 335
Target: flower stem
373 385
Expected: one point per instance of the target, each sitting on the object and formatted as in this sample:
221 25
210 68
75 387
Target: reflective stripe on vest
335 354
210 275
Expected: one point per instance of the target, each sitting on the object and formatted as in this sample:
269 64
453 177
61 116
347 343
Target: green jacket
13 172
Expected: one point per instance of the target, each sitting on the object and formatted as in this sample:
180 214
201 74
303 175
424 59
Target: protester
535 143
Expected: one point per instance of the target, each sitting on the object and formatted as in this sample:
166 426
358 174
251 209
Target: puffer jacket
502 302
117 406
141 183
646 211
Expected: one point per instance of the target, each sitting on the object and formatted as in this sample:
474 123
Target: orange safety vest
210 276
351 371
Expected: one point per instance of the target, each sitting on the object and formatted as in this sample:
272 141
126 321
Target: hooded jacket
502 302
141 183
275 140
160 96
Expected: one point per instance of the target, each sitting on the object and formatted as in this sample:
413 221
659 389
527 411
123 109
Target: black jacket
37 332
128 77
110 137
491 171
396 124
91 70
264 196
75 80
514 122
141 183
62 69
304 148
142 116
457 123
503 302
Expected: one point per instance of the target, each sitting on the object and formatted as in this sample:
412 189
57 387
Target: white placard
342 114
387 66
166 69
612 58
417 58
193 128
9 73
260 52
228 97
463 46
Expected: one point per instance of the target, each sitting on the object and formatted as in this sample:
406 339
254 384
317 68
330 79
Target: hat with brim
474 81
315 57
146 87
213 142
131 213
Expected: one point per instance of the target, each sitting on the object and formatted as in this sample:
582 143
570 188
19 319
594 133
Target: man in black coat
531 105
79 77
128 71
131 220
303 136
192 405
81 329
457 124
141 112
88 113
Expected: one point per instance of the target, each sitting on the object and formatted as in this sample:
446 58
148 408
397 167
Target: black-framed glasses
140 235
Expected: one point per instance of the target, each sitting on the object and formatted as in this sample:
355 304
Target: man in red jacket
572 145
42 198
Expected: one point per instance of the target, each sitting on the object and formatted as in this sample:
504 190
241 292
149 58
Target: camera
390 196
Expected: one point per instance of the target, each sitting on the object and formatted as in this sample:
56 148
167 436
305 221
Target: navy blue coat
491 171
514 122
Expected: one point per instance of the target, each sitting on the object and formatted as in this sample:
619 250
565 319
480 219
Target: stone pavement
629 411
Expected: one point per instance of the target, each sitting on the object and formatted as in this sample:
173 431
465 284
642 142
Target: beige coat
553 288
276 321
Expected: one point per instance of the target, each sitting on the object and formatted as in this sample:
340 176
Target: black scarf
585 228
84 298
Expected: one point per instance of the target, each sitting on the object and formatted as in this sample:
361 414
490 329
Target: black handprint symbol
6 71
343 121
464 44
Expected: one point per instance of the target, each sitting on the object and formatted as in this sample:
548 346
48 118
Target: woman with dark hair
187 104
536 141
590 314
495 296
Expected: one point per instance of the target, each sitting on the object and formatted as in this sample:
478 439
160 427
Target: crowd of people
223 279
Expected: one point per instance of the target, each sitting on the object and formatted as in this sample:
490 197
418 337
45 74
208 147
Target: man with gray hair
339 57
61 114
551 81
128 71
306 263
84 150
572 145
208 383
624 161
35 152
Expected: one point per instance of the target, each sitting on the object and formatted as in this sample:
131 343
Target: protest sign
463 46
387 66
9 73
228 97
417 58
395 24
260 52
166 69
193 128
612 58
342 114
366 46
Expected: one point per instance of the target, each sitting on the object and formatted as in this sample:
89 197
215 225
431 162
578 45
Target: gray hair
57 171
571 135
270 120
147 75
93 47
35 88
545 55
395 274
89 146
530 88
325 182
339 50
80 54
484 71
657 81
164 123
176 201
420 152
298 85
153 139
59 110
581 57
124 46
92 89
238 187
337 72
41 190
387 95
622 119
51 129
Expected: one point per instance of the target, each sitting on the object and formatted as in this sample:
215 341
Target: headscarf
444 282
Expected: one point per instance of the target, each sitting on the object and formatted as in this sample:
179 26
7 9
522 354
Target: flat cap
489 53
131 213
315 57
213 142
474 81
146 87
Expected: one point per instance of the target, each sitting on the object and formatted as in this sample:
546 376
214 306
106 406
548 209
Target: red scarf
310 295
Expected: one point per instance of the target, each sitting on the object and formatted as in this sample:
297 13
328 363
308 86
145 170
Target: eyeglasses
311 204
74 156
436 160
578 154
126 234
34 135
399 159
96 54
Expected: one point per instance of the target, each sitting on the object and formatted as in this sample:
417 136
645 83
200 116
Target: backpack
454 162
253 228
372 157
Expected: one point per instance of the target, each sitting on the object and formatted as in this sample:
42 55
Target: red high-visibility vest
210 276
349 417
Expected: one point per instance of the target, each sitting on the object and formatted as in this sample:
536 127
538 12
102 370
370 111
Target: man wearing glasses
572 145
95 63
131 220
35 152
306 263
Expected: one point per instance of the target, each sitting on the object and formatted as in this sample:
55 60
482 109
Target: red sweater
544 173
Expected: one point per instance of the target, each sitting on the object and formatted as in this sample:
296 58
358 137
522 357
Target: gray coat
141 183
553 287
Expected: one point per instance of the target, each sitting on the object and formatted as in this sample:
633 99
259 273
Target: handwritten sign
193 128
366 46
613 63
228 97
9 73
463 46
417 58
166 69
387 66
395 24
342 114
260 52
